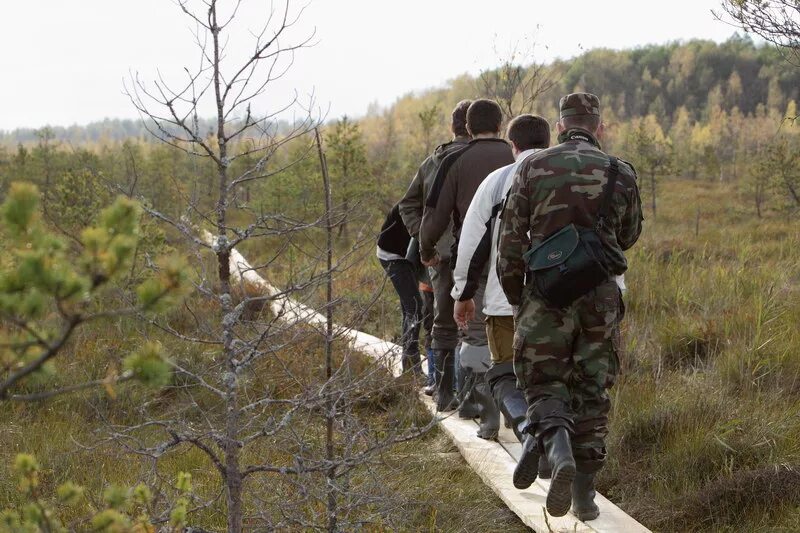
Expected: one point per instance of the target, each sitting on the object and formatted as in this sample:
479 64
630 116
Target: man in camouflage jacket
566 359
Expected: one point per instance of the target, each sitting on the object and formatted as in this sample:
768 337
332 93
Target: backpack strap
608 192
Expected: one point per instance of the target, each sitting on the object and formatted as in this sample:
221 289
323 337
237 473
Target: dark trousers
445 331
402 275
427 317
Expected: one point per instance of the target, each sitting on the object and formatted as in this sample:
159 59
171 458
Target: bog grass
704 434
419 485
705 428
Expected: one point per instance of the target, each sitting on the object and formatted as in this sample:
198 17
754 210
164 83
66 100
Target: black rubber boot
508 397
490 415
430 384
583 494
526 470
515 410
544 468
468 407
444 380
558 449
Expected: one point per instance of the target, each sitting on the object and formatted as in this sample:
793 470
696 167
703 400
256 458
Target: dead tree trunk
231 446
330 404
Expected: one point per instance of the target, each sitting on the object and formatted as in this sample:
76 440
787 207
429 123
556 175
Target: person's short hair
459 124
589 123
484 116
529 131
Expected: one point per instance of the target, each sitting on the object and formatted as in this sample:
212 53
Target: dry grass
710 391
706 412
407 487
705 431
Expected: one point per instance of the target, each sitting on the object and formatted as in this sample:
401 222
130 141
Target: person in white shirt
475 266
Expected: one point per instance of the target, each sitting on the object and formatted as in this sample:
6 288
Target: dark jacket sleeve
438 212
413 202
513 240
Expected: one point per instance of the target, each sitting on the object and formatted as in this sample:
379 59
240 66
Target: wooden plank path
493 461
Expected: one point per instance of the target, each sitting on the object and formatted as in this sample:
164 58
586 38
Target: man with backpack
571 212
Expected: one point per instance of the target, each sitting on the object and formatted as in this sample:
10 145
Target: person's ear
559 127
601 129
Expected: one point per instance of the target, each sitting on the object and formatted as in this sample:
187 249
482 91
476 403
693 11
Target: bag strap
608 192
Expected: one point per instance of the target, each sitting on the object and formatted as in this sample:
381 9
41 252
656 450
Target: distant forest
657 79
699 110
697 75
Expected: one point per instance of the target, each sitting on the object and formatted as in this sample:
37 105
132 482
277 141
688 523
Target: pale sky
64 62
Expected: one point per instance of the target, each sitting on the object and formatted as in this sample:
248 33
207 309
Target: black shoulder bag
572 262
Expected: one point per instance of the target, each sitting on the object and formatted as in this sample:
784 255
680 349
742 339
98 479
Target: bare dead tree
330 411
518 82
245 405
776 21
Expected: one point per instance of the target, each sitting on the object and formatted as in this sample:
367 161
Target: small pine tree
48 290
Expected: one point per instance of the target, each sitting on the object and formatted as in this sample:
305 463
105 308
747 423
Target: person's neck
579 133
485 136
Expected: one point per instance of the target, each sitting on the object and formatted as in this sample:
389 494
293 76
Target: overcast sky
64 62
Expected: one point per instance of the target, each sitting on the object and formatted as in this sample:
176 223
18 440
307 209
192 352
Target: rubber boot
430 385
511 401
514 409
583 494
468 407
444 380
558 448
490 415
526 470
544 468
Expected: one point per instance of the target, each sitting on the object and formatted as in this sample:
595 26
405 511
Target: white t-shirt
387 256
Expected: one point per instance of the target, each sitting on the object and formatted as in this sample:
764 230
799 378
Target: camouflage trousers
565 360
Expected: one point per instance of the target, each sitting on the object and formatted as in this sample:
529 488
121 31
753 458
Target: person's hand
432 262
463 313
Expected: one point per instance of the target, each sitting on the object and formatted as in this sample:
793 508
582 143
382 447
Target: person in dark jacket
393 242
444 335
450 195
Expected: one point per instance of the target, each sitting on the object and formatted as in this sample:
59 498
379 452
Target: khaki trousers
500 333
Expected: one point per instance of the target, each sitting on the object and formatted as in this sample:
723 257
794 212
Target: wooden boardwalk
493 461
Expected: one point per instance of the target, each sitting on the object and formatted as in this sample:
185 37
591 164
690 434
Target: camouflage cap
579 104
